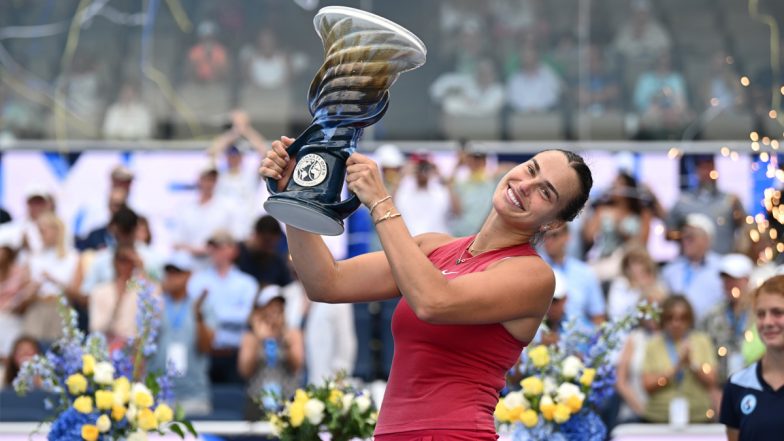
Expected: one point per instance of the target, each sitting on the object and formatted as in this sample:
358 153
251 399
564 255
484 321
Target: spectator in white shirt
208 214
24 233
464 94
424 200
128 117
535 87
52 270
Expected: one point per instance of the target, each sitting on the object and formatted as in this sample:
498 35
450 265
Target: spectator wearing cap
272 354
423 201
237 183
695 273
24 233
586 301
185 337
472 194
723 209
230 293
730 322
208 60
91 229
198 220
128 118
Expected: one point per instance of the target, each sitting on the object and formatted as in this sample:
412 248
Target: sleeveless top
448 376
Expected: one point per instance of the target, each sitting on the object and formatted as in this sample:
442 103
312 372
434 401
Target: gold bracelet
375 204
388 215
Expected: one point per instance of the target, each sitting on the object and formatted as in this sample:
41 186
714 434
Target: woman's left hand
364 179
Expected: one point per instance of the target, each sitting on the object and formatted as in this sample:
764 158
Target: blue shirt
700 283
231 297
177 333
584 297
751 406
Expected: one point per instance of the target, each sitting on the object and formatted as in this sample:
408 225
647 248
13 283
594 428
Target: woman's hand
277 164
364 179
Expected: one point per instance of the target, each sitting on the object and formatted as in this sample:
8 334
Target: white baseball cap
736 266
390 156
268 294
698 220
181 261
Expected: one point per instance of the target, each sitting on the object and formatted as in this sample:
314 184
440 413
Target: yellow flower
122 390
574 403
104 423
539 355
297 413
146 420
529 418
141 396
562 413
502 412
118 411
104 399
300 396
532 386
88 364
164 413
277 425
335 397
547 407
588 376
83 404
76 383
89 432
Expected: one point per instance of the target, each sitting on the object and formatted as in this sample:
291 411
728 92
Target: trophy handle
292 150
345 208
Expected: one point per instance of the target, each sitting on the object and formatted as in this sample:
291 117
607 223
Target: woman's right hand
277 164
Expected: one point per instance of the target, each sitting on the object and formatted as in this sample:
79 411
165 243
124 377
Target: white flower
103 373
103 424
131 414
314 411
347 400
141 392
139 435
546 401
363 403
550 386
571 367
566 390
513 400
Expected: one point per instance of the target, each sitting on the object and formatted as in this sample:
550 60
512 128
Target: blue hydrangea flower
68 426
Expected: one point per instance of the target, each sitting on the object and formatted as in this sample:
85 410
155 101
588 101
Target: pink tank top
448 376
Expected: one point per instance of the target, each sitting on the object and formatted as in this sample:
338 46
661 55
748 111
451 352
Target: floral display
105 395
563 384
333 411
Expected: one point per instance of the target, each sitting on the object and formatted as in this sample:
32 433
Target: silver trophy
364 55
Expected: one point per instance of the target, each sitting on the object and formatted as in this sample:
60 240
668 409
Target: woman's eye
545 193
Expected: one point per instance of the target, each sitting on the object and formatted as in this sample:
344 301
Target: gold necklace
461 258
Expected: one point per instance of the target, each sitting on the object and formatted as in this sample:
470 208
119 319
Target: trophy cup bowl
364 55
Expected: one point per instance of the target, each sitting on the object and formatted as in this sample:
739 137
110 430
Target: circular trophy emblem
310 171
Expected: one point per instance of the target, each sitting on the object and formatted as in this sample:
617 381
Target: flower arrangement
105 395
564 383
334 410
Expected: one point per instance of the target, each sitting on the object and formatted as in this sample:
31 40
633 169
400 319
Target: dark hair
573 207
670 303
125 220
632 195
267 225
13 369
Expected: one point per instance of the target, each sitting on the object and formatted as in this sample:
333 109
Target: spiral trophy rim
369 16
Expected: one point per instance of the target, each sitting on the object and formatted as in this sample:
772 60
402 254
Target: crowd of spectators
491 60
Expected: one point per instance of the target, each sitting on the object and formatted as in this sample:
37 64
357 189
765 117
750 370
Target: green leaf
178 430
188 425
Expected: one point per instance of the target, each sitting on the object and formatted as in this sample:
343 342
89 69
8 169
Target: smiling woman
469 305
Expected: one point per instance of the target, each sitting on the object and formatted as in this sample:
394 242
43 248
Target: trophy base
305 216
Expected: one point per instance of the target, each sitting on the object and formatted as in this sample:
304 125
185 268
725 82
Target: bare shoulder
428 242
